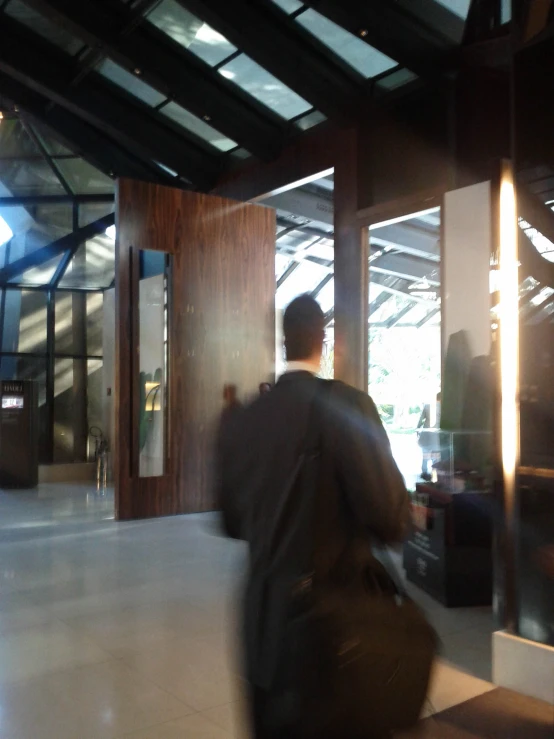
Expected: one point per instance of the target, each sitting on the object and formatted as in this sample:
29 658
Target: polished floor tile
100 701
39 650
192 727
127 630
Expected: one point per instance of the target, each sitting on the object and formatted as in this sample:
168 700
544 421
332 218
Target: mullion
53 166
227 59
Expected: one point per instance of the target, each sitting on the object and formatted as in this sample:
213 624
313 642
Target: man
362 490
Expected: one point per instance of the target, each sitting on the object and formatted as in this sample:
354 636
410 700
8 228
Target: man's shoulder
347 394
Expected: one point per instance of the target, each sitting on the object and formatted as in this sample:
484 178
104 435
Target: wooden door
221 330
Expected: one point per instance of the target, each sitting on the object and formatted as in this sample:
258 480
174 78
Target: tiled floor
112 630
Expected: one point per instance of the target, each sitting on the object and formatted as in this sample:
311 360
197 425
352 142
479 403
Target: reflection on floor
112 630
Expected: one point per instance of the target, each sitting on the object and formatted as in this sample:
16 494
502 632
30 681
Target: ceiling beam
398 289
170 69
25 58
535 212
325 281
27 201
287 273
380 300
532 263
409 239
305 204
412 40
50 251
406 267
393 320
428 317
289 52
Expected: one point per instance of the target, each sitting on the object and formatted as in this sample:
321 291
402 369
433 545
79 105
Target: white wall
467 242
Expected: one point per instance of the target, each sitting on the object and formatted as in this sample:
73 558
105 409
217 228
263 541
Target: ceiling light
1 116
138 71
364 32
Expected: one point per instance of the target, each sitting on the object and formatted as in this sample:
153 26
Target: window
357 53
264 87
191 123
130 82
405 331
191 33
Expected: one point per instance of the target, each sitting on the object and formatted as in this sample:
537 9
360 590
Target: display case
457 461
449 551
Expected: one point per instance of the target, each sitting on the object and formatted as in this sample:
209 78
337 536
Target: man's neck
305 365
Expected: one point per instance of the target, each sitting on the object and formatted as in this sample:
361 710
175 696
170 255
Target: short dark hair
303 328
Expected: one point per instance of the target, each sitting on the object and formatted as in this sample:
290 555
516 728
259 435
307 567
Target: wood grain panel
221 330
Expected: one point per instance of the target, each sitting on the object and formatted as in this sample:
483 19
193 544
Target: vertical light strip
509 338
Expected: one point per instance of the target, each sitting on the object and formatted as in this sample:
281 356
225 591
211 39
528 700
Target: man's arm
370 477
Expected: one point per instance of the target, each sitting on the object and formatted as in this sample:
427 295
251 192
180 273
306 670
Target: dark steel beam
411 39
80 137
380 300
141 130
428 317
289 52
532 263
407 267
68 242
26 201
393 320
535 212
306 228
176 73
46 288
319 288
287 273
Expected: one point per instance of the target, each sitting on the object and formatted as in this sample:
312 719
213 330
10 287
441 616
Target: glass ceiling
31 164
459 7
172 19
361 56
130 82
34 164
266 88
357 53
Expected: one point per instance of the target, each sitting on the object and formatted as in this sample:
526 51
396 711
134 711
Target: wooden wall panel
222 329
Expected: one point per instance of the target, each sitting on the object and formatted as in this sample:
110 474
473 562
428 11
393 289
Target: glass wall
52 282
405 336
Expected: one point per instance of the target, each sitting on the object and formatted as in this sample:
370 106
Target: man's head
264 387
304 330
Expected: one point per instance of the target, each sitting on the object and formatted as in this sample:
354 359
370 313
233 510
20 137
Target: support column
351 271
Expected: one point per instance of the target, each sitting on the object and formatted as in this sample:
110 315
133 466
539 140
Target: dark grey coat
359 482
